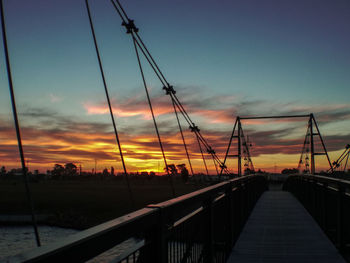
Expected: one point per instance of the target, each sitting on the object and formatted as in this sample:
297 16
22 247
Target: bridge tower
242 148
312 133
308 150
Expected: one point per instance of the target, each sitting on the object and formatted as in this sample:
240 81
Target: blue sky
264 57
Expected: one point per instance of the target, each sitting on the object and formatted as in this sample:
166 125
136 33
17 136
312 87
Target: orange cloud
59 139
130 109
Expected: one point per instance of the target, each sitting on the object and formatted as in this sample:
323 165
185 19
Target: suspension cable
183 137
346 162
341 158
200 148
247 151
304 147
127 21
216 167
153 117
229 146
322 142
109 102
17 126
133 30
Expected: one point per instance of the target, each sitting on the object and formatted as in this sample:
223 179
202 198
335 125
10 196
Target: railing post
157 250
209 255
340 217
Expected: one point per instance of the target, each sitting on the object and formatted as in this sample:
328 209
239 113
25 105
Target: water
17 239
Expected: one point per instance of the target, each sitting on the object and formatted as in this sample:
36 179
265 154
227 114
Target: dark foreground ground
84 203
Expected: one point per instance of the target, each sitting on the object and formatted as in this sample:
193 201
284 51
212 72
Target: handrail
101 238
321 178
160 226
327 199
324 179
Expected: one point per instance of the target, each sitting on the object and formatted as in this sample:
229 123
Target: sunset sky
225 59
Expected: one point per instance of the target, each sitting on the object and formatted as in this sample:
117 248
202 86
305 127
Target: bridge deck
281 230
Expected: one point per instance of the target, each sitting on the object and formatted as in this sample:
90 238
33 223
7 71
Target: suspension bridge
236 220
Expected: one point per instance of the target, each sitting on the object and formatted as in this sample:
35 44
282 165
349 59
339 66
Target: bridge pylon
242 148
308 150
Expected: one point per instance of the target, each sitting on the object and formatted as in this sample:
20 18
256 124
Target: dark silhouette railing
328 201
198 227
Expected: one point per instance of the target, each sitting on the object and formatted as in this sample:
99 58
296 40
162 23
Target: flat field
84 203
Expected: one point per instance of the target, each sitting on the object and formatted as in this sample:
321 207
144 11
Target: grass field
84 203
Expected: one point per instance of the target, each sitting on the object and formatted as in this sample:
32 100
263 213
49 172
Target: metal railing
328 201
198 227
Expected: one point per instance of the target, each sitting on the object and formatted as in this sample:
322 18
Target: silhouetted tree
171 168
58 171
70 169
3 171
105 172
183 171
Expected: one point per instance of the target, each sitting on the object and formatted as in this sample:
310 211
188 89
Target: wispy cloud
51 137
218 109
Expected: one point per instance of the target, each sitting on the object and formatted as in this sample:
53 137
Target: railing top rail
103 235
202 193
327 179
176 208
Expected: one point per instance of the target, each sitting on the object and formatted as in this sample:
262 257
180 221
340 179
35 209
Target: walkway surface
281 230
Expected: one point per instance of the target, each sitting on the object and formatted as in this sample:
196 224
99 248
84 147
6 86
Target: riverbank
82 204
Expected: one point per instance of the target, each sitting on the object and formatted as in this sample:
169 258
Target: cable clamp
130 26
222 166
194 128
169 90
210 151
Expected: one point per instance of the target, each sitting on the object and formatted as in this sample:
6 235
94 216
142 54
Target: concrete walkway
281 230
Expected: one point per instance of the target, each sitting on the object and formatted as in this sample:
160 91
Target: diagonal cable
17 126
109 101
183 137
131 28
151 109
